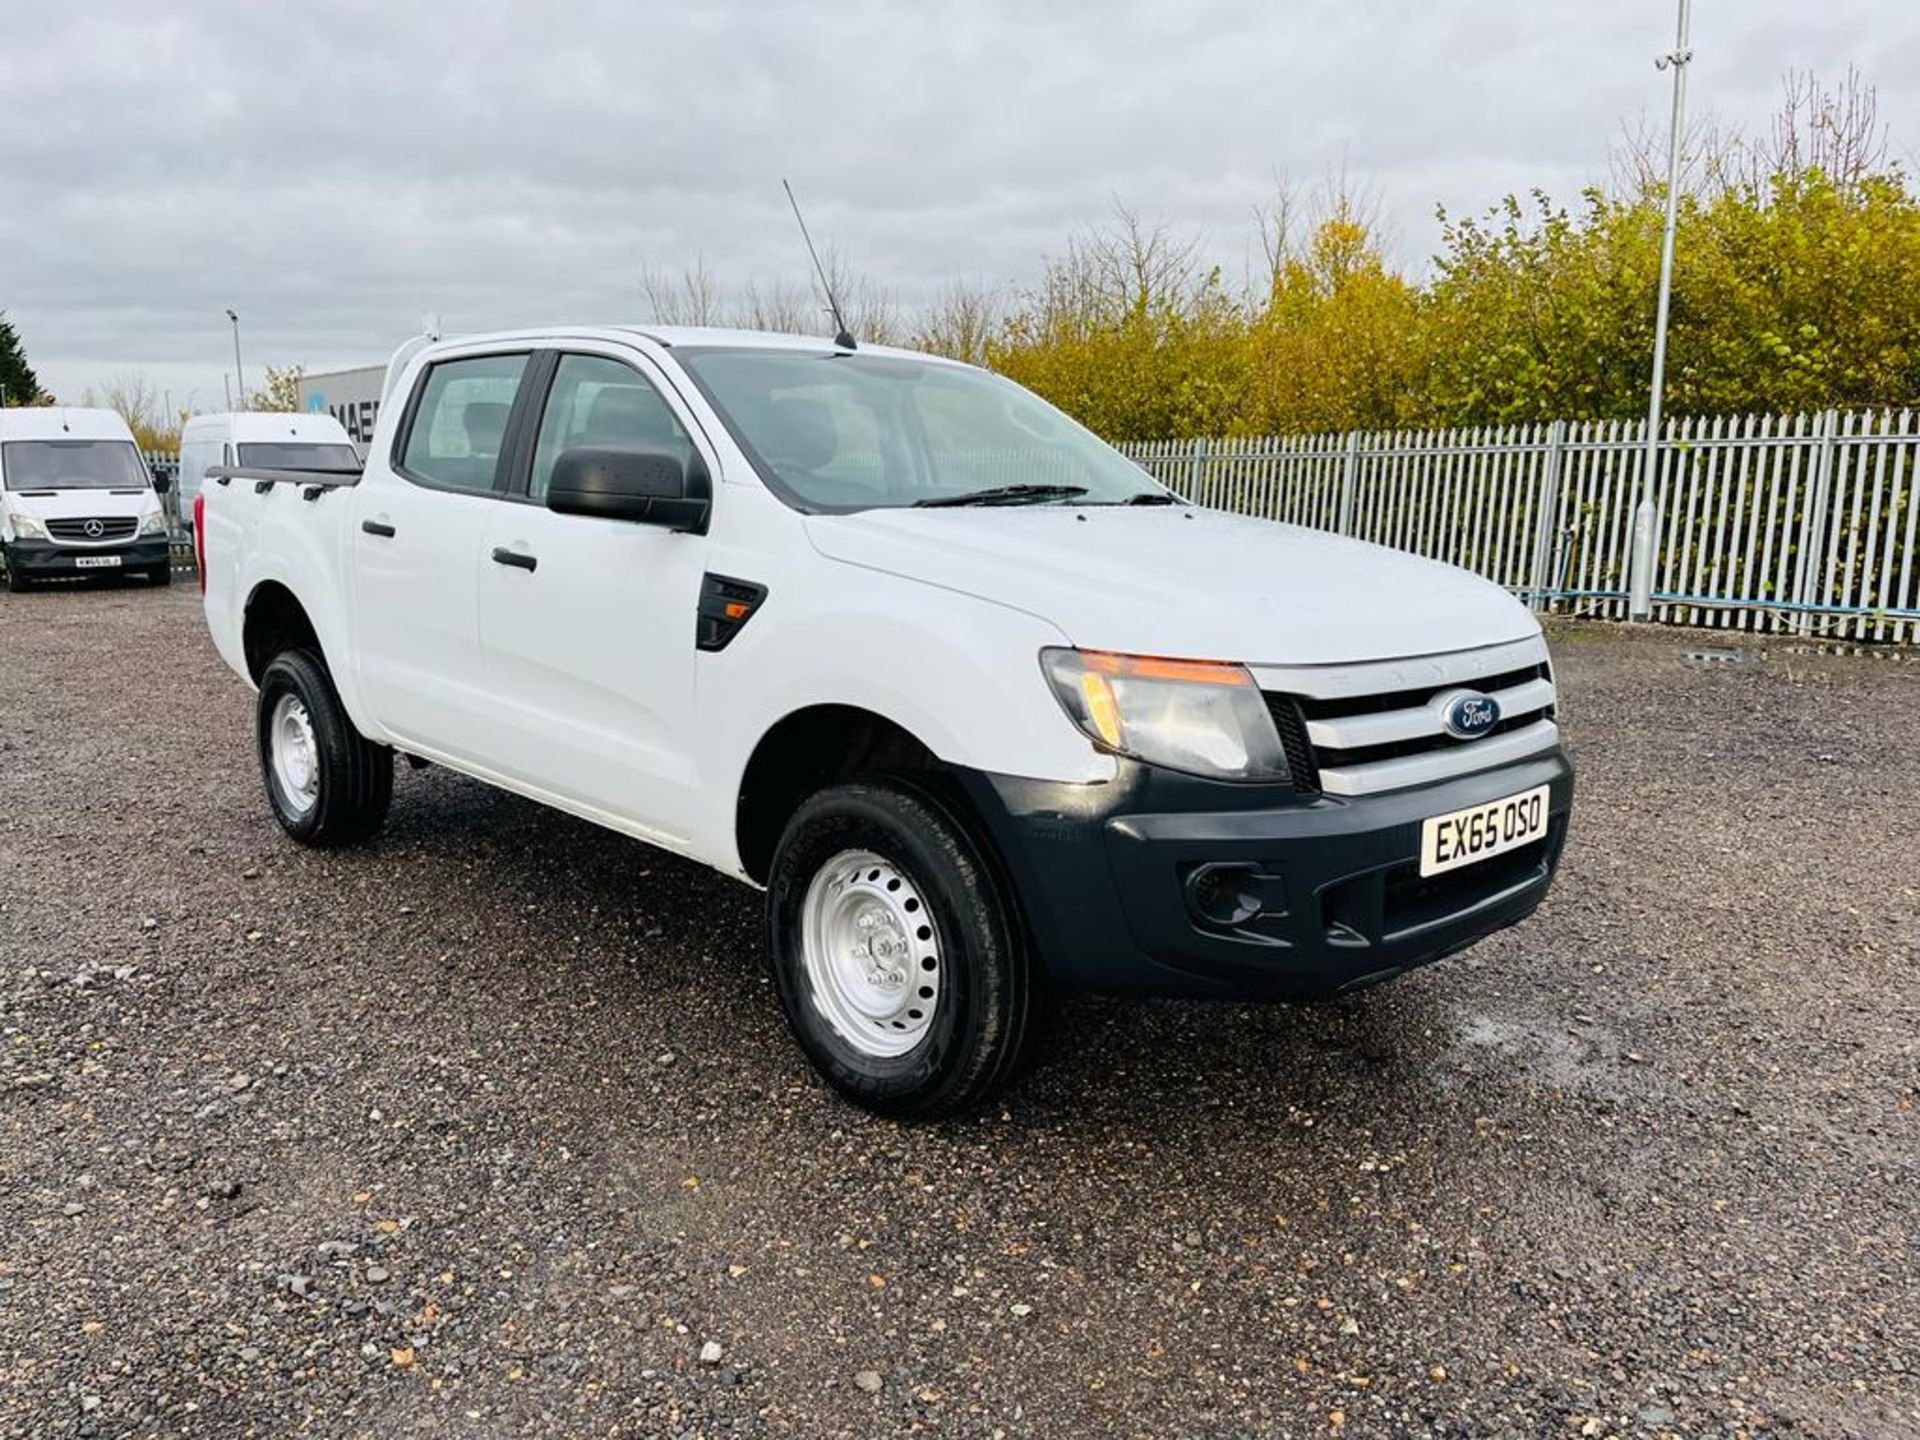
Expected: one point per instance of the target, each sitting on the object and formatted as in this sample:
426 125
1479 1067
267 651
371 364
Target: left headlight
153 523
1199 716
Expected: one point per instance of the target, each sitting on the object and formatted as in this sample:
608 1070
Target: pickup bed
981 707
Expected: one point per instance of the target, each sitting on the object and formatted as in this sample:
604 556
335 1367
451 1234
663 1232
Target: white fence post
1643 530
1349 466
1546 515
1197 471
1809 577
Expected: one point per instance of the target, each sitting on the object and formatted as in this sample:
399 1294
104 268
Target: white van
264 440
75 496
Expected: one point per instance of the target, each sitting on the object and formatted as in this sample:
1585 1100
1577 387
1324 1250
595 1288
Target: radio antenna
845 338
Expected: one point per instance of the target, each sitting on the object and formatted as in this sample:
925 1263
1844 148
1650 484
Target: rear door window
298 455
457 435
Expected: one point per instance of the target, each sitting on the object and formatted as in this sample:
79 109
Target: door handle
519 559
377 527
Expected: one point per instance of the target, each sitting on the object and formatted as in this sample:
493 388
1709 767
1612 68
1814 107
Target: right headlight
1199 716
25 527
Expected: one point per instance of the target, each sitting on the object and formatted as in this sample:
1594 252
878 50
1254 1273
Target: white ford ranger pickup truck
983 708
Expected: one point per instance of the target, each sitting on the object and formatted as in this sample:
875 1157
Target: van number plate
96 562
1449 841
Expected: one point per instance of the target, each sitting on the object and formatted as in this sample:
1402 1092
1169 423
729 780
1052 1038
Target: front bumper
45 557
1106 876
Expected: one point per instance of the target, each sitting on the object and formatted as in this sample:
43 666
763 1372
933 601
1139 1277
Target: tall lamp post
239 378
1646 519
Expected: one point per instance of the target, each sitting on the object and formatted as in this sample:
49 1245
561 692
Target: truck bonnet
1193 583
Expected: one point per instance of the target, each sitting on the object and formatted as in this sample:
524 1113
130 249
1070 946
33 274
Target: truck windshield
72 465
299 455
832 431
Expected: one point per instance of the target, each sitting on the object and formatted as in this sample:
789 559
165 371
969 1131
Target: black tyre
16 582
327 783
902 966
160 575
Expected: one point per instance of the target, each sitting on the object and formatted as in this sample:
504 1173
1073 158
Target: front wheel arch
803 753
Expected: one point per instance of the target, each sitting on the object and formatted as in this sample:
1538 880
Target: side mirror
648 484
162 481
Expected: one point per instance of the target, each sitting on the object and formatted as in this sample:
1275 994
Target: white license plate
96 562
1449 841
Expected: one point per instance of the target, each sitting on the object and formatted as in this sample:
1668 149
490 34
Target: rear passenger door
587 624
419 518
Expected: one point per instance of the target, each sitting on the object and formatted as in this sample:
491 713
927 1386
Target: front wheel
903 970
328 784
160 575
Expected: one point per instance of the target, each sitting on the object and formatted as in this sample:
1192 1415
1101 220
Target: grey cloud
335 171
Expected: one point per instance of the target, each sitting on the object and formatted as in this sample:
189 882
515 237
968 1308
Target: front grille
1417 745
110 527
1287 719
1406 699
1344 737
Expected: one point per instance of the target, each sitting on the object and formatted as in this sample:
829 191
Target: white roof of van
314 427
62 422
377 367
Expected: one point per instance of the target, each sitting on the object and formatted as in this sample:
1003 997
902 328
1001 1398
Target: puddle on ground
1573 1053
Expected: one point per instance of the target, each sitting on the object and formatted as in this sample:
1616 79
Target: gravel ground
493 1128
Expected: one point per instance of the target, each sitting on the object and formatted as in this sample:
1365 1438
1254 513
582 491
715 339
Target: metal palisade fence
1798 524
167 462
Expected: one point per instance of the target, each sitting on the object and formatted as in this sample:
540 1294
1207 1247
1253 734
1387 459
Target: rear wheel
327 783
903 970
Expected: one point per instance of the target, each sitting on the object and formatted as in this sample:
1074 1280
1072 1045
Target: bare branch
690 298
962 321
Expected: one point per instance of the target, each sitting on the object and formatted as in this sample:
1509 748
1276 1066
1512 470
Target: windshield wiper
1153 497
1005 495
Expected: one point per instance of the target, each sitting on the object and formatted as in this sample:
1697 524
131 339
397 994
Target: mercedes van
76 498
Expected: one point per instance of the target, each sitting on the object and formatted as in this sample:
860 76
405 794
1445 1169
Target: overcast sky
335 171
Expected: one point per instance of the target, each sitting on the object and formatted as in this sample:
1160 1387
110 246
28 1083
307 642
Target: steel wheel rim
871 953
295 754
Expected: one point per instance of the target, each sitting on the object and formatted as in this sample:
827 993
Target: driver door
587 625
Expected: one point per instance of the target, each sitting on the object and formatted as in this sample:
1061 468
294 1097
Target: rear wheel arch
276 622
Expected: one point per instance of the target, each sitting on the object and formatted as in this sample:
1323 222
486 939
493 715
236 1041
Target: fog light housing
1229 894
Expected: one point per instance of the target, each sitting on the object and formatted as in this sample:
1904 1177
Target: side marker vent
726 604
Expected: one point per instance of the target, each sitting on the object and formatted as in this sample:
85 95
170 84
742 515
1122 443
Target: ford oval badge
1467 714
